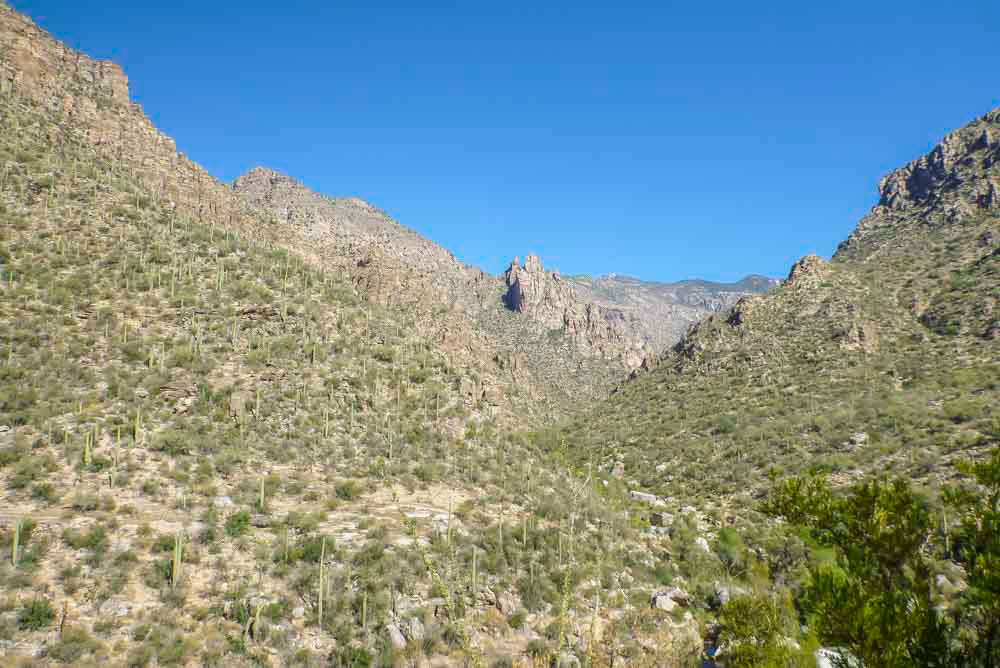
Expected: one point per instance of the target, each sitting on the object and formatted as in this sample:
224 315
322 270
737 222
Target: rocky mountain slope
529 366
224 441
883 359
582 322
662 312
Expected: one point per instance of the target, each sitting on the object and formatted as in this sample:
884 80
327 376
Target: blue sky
664 140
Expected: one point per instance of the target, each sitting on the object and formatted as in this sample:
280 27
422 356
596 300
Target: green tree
876 599
976 545
757 630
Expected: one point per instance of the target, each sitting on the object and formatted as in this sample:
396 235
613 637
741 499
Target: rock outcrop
956 180
553 303
93 99
660 313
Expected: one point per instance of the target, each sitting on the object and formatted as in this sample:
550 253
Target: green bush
238 523
34 614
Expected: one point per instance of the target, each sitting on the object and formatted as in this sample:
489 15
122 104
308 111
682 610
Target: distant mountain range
664 311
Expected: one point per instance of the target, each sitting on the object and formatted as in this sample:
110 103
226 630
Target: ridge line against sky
665 141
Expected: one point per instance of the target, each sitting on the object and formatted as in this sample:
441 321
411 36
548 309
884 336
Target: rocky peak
806 270
957 180
550 300
541 294
924 180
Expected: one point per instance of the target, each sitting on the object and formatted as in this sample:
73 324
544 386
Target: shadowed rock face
660 313
957 179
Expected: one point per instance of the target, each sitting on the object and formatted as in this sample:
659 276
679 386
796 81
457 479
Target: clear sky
664 140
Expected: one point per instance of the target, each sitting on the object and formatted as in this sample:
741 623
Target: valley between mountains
250 424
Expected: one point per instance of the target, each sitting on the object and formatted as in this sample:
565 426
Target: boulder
567 660
507 603
834 658
723 594
661 519
396 638
642 497
662 601
414 629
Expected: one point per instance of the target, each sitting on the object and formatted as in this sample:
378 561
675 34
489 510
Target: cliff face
660 313
395 264
553 302
92 98
957 179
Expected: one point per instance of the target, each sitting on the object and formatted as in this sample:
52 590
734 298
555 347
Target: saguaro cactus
322 558
17 540
175 571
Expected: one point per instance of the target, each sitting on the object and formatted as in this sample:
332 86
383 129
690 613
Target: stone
723 594
660 519
507 603
678 595
701 542
567 660
619 470
662 601
396 638
807 271
553 302
834 658
298 612
223 502
116 607
414 629
642 497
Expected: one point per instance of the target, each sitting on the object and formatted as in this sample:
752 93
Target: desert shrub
34 614
238 523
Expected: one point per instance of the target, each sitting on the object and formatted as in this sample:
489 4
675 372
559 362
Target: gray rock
642 497
223 502
116 607
661 601
701 542
507 603
725 593
834 658
414 629
661 519
567 660
396 638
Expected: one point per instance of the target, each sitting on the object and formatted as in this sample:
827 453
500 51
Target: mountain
664 311
883 359
529 366
248 424
254 426
598 324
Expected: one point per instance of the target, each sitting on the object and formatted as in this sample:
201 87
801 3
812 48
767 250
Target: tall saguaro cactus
16 543
322 558
175 571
